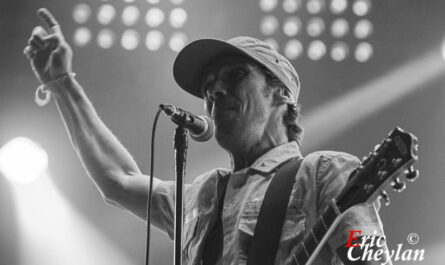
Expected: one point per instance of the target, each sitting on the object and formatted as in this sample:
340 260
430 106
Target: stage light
106 14
315 27
268 5
128 1
130 39
361 7
339 51
315 6
22 161
106 38
338 6
292 26
291 6
273 43
316 50
177 2
363 29
155 16
178 17
154 40
177 41
339 28
81 13
130 15
269 25
363 52
153 1
82 36
293 49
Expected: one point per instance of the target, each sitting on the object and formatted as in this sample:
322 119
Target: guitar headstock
390 160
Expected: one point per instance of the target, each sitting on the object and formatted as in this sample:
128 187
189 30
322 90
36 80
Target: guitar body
390 160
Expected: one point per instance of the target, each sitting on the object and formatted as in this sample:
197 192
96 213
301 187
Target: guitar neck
314 240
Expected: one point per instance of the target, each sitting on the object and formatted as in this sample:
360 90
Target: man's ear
281 96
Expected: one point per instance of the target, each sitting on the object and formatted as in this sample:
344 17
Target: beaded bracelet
45 89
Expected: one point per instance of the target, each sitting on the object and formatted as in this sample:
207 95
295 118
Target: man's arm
107 162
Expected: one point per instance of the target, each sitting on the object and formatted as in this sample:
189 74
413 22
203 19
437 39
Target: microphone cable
150 187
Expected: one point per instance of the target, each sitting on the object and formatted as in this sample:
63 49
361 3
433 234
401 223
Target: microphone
201 128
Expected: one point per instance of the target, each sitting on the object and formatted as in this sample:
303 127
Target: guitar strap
264 245
266 239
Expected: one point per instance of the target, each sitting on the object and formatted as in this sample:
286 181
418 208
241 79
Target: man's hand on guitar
48 52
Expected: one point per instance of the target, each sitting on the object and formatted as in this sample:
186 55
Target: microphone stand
180 145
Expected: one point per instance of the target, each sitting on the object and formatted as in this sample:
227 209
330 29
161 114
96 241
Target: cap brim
191 60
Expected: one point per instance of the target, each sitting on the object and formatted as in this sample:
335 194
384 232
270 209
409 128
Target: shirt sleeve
333 173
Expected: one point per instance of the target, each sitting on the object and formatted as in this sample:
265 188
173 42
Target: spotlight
154 40
177 2
130 39
315 6
363 29
291 6
361 7
178 16
316 50
130 15
292 26
82 36
363 52
106 38
22 161
106 14
293 49
155 16
268 5
269 25
339 28
177 41
81 13
153 1
273 43
338 6
339 51
315 27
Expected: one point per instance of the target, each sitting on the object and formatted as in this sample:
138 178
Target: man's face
234 90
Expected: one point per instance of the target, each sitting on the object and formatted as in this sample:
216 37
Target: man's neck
246 158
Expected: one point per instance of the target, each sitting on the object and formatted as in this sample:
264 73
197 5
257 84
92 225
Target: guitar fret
313 236
300 256
304 248
323 222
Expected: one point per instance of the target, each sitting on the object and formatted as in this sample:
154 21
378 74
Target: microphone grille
208 132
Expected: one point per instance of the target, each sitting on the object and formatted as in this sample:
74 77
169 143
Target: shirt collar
276 156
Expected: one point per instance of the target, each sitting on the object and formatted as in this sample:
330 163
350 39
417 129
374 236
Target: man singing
250 92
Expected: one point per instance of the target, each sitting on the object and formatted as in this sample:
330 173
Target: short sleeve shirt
321 177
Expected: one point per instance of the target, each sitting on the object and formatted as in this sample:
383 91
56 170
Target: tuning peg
384 195
412 174
398 185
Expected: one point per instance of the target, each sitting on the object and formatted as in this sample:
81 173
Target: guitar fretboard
316 234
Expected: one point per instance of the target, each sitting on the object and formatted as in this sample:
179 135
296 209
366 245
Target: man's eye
236 74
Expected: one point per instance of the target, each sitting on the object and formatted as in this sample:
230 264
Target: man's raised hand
48 52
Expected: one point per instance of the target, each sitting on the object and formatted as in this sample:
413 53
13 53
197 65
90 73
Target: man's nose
216 90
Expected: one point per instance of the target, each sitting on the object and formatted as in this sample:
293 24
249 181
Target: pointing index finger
49 20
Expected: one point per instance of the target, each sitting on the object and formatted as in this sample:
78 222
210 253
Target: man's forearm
108 163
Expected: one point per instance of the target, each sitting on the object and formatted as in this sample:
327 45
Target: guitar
390 160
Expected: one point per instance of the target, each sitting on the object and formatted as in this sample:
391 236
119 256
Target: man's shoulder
208 180
320 161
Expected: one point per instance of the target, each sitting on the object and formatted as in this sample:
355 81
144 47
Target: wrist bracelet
43 92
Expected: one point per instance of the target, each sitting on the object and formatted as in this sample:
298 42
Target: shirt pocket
293 227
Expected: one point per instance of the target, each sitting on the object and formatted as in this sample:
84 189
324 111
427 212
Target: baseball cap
196 55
